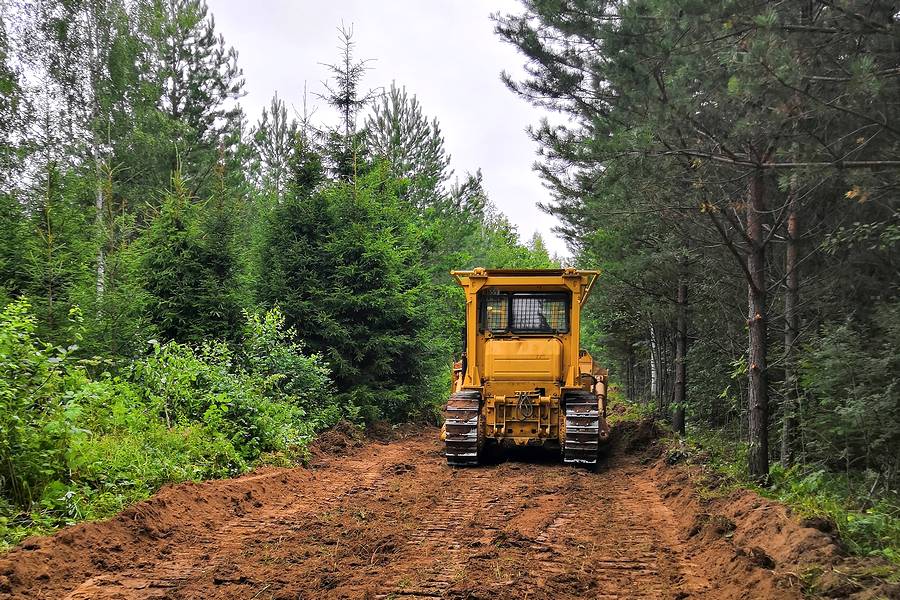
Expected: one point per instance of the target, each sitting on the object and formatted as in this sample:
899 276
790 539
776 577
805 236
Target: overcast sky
444 51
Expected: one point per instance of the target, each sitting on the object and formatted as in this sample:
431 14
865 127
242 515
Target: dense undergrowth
868 524
82 438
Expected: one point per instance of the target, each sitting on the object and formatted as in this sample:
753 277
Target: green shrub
37 407
853 415
74 447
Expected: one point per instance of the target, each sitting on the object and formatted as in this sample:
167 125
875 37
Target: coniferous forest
187 293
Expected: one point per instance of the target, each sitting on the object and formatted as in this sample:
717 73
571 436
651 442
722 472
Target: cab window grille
539 313
496 313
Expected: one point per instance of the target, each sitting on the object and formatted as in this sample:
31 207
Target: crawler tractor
522 379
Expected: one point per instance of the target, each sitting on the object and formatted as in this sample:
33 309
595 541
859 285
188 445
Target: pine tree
273 142
198 80
397 131
720 95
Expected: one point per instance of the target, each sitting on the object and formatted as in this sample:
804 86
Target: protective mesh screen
495 316
539 313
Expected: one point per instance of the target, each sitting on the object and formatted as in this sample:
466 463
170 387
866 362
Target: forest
186 294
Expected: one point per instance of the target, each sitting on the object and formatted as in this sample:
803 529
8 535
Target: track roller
582 441
463 439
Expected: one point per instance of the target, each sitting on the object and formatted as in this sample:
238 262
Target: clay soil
389 519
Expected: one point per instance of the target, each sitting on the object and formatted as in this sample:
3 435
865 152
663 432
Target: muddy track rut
386 521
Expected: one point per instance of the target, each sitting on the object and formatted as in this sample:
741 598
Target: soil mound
751 540
637 437
339 439
43 567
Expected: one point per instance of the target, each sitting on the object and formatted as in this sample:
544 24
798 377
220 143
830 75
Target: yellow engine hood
524 359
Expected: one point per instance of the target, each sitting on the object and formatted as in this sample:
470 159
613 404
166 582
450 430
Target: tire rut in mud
574 535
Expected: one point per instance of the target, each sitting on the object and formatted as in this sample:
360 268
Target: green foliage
398 132
620 410
188 267
14 232
35 406
60 250
74 446
344 265
851 371
197 81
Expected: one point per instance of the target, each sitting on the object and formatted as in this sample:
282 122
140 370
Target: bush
852 421
37 407
75 447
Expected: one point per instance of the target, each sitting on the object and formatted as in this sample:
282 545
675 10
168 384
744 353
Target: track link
582 442
463 439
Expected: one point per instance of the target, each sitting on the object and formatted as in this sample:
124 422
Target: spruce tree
188 267
344 145
343 263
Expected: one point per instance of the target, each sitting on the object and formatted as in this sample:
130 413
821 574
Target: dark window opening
524 312
539 313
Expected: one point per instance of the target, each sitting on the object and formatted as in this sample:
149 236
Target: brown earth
391 520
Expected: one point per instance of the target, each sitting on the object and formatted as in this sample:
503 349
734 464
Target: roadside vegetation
84 437
868 524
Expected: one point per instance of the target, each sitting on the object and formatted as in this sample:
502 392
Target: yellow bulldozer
523 379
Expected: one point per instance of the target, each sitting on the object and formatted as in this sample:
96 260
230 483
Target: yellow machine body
522 353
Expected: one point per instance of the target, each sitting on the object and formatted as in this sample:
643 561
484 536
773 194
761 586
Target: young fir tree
343 265
188 267
59 251
344 147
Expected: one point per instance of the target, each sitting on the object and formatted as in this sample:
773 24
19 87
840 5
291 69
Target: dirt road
393 521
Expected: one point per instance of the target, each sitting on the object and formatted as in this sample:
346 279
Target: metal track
463 439
582 442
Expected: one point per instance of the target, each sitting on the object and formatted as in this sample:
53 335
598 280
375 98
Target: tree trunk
791 327
680 396
654 365
101 255
758 396
630 376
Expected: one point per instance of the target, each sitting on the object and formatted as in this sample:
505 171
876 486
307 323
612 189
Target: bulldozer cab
522 369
